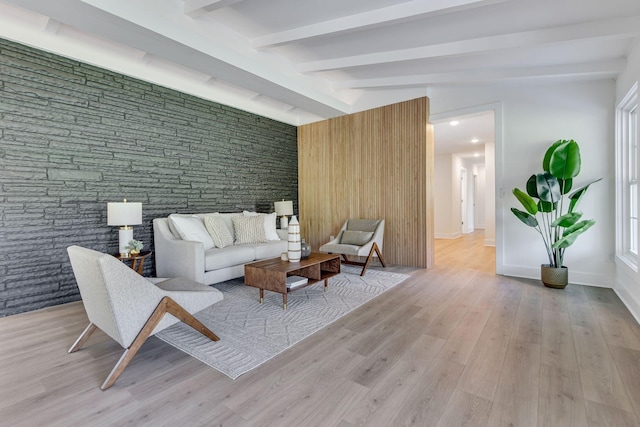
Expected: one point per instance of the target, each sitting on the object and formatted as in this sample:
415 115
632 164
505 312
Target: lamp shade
284 208
123 213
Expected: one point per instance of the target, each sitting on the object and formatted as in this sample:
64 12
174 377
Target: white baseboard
627 279
489 242
448 235
575 277
632 305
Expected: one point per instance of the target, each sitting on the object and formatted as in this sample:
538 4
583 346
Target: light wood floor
454 345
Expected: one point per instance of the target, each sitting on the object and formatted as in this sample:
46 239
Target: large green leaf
530 220
548 187
549 152
572 233
532 189
565 185
526 201
546 206
565 160
567 220
576 196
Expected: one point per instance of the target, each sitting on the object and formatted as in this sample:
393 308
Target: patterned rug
252 333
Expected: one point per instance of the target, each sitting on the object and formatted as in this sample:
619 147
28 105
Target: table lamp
282 210
125 215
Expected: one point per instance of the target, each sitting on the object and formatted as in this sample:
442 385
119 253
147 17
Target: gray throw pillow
357 238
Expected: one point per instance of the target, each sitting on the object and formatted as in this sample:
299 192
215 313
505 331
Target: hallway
467 251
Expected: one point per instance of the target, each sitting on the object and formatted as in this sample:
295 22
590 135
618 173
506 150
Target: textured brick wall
74 137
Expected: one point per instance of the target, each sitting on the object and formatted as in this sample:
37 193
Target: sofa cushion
191 228
248 229
357 238
272 249
217 258
218 231
269 224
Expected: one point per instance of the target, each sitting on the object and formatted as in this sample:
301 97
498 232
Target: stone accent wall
74 137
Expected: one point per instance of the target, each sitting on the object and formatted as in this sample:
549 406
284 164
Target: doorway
464 168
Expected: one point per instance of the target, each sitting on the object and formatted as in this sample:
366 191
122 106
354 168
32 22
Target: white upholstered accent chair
130 308
358 237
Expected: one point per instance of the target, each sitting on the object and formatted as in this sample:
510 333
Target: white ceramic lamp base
284 222
124 237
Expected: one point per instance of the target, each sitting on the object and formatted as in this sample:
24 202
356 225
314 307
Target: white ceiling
300 61
465 136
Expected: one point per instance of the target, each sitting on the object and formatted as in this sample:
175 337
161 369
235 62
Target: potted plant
551 212
134 246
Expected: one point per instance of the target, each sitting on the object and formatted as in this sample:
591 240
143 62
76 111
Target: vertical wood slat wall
373 164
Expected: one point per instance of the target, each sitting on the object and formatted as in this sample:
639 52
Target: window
633 181
627 179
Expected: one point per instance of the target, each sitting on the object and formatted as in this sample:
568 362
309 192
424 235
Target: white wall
447 196
628 281
479 171
533 118
442 205
456 193
490 195
469 223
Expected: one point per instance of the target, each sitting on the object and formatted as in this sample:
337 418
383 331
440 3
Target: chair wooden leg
175 309
366 264
375 245
166 305
84 336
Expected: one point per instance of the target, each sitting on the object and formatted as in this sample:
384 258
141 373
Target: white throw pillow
249 229
269 224
191 228
172 228
218 231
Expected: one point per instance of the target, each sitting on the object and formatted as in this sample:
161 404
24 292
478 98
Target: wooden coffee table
271 274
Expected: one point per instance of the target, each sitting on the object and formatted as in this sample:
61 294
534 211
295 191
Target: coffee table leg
284 301
261 295
326 284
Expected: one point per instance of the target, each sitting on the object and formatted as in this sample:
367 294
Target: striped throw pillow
218 231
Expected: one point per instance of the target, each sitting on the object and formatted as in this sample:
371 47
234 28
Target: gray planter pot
554 277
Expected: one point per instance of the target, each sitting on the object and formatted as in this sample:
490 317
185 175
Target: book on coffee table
296 281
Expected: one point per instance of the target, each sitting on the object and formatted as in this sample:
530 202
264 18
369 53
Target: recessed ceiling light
474 140
454 122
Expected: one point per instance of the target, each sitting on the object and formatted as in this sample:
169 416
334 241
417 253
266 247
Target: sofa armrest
175 257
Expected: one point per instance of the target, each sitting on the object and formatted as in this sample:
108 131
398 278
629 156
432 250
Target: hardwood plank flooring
561 402
454 345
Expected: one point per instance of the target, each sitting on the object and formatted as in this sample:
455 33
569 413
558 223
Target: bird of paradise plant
547 209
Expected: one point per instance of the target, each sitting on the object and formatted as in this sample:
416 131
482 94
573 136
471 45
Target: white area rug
252 333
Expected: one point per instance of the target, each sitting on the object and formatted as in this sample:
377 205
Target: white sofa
176 256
